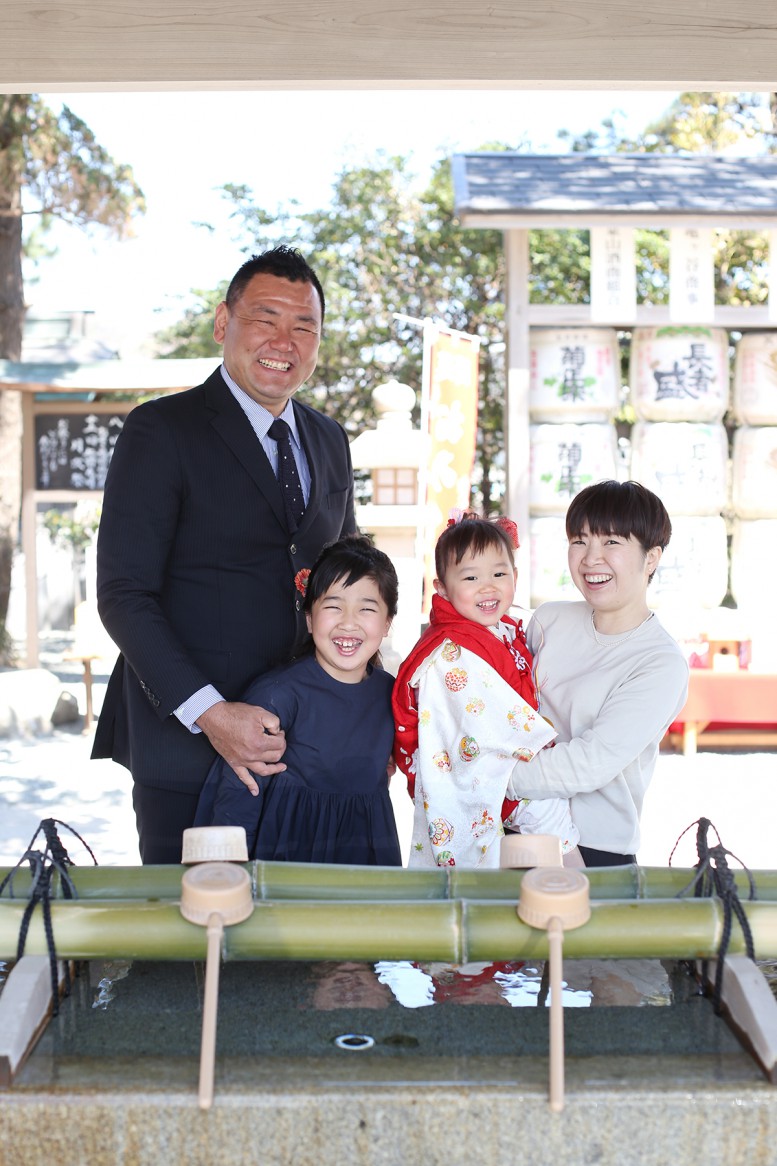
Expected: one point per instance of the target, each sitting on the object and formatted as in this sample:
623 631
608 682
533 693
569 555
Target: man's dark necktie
288 477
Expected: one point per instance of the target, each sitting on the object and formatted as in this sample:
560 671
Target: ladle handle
555 945
210 1010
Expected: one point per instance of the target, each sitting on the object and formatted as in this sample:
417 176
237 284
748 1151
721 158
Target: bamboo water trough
309 912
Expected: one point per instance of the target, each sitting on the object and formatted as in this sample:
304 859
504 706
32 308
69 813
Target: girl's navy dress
331 804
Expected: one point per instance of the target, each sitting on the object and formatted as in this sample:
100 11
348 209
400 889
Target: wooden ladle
213 895
518 851
555 898
214 844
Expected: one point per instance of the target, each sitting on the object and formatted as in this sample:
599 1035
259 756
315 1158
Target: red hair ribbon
508 526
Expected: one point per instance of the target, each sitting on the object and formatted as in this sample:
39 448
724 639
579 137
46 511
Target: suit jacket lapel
232 425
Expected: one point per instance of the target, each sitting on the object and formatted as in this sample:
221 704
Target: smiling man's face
270 338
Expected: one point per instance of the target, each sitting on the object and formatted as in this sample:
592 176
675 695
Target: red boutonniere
301 580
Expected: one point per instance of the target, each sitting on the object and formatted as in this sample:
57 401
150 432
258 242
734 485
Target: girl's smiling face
347 625
481 587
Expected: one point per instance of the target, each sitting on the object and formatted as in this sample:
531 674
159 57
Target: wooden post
517 401
29 529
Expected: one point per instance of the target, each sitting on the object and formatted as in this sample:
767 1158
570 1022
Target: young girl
465 707
332 802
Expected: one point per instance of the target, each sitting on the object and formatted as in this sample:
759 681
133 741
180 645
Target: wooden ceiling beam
81 45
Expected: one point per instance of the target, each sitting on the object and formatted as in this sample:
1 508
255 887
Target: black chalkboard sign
73 450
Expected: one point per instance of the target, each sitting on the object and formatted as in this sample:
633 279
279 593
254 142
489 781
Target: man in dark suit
198 557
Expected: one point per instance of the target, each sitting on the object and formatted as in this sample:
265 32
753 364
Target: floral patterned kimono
465 711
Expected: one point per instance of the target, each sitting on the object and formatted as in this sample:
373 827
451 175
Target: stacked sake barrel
754 474
574 391
679 385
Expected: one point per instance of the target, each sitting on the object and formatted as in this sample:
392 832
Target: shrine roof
106 376
509 189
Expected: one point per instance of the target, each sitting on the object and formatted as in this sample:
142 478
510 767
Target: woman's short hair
470 534
622 508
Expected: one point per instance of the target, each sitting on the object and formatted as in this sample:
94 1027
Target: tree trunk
12 310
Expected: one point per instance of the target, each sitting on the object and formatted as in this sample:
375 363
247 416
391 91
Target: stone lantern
392 453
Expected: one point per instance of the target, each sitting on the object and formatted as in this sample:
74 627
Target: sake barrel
754 566
574 374
754 472
550 578
694 566
755 379
565 458
679 373
684 462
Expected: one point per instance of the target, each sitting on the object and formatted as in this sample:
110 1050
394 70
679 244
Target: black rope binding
42 865
714 877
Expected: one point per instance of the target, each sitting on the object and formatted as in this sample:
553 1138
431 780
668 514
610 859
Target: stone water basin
652 1076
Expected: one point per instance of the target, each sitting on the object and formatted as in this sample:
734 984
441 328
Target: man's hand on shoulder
248 737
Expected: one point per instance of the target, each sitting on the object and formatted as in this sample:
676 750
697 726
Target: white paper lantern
550 578
755 379
574 374
754 476
684 462
679 373
564 459
694 567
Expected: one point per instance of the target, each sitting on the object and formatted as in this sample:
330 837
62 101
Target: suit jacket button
297 604
293 548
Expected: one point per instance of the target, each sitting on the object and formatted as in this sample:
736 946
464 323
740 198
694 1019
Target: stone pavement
50 775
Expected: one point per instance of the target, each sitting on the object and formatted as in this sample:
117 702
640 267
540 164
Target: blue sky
285 145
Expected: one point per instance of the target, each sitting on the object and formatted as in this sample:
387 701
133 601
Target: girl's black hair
470 534
351 558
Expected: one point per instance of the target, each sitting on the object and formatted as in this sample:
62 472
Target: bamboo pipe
455 932
321 882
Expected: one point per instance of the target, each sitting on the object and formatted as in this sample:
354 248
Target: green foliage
699 123
382 249
66 172
69 531
192 335
385 248
560 267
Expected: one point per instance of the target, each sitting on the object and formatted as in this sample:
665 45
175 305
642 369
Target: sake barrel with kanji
550 578
754 472
565 458
754 399
694 566
754 568
574 374
679 373
684 462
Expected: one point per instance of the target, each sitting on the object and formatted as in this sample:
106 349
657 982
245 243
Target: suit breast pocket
337 500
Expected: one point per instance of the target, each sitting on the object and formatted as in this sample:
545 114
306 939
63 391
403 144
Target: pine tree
66 175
